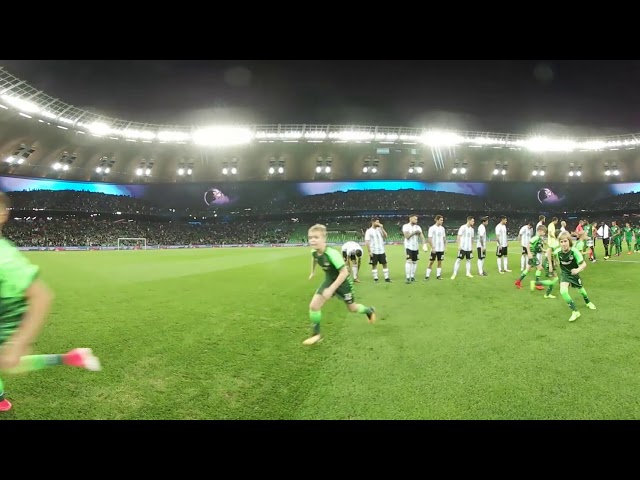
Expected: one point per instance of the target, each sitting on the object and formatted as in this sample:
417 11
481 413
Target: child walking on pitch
571 264
336 281
534 251
24 304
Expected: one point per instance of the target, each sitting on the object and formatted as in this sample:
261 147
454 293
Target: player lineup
553 254
613 238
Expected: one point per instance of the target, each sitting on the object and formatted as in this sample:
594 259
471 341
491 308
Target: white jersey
411 243
482 237
466 241
526 234
501 235
374 236
350 248
438 237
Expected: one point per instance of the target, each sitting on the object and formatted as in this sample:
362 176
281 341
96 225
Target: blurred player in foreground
352 255
336 282
24 304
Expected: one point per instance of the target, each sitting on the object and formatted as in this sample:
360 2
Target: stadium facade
38 133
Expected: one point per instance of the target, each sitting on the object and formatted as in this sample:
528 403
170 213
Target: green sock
523 274
547 283
1 391
315 316
583 292
31 363
538 274
549 289
362 309
567 298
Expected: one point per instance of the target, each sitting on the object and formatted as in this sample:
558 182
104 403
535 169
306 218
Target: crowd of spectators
68 230
42 218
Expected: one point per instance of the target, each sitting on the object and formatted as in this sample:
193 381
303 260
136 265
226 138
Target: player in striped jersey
437 238
524 237
481 245
590 231
534 254
503 245
563 227
465 246
374 240
352 256
552 244
411 232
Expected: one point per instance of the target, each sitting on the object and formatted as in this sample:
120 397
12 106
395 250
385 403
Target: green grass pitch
217 334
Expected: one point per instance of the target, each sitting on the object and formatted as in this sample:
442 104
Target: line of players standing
436 241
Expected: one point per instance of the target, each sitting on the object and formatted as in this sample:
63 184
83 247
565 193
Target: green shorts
344 292
534 262
7 330
574 280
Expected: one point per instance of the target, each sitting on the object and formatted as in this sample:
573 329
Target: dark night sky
504 96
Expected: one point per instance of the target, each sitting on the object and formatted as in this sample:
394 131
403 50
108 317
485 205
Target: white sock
480 267
407 268
375 273
506 262
499 264
414 267
468 267
428 272
523 262
438 271
355 272
385 271
456 266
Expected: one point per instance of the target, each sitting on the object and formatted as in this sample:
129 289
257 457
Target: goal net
132 243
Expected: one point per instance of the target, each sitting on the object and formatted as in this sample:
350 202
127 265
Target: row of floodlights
231 135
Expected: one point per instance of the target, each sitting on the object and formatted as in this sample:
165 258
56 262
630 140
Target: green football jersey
568 260
589 230
615 230
536 245
17 274
330 261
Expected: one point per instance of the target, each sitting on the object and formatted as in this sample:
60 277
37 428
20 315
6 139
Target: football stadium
312 271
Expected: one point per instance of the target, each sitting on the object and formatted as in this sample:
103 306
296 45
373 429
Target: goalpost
127 243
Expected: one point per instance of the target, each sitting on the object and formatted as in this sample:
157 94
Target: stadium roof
180 147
